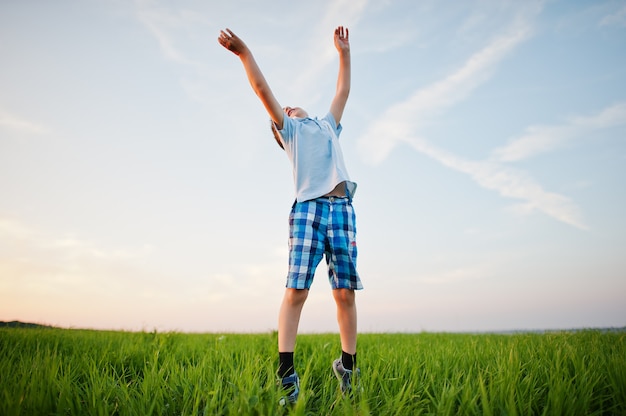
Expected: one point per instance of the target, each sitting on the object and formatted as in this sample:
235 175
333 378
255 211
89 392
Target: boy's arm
342 43
260 86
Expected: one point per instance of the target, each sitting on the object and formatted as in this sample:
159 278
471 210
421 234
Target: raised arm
342 43
260 86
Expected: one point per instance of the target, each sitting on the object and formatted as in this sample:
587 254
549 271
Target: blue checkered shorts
323 227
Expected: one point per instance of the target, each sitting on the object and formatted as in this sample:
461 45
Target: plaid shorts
323 227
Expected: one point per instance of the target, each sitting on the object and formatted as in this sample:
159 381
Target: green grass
80 372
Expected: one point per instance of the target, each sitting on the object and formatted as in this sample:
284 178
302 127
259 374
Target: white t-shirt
312 146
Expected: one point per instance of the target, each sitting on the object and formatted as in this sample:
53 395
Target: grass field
80 372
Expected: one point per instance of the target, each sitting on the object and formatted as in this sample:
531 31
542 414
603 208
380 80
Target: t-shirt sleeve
288 129
330 119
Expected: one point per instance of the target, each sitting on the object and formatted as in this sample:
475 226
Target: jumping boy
322 220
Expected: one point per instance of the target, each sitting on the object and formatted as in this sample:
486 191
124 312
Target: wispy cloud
67 248
616 18
18 124
509 183
540 139
14 229
342 12
164 25
46 276
402 120
322 52
70 272
401 123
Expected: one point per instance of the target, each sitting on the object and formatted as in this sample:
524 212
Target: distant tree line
18 324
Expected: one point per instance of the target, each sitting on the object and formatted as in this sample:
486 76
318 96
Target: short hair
276 134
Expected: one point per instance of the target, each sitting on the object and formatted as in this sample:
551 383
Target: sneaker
345 376
291 386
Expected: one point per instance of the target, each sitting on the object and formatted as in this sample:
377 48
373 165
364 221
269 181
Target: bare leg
346 318
289 318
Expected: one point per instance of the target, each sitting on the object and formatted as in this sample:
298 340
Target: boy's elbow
261 90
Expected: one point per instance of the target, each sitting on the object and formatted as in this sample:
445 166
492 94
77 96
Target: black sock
285 366
348 360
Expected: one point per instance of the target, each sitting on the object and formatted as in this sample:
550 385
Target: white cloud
60 256
343 12
73 273
14 229
321 51
401 123
540 139
617 18
164 25
402 120
509 183
18 124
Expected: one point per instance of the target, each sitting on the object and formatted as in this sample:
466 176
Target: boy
322 220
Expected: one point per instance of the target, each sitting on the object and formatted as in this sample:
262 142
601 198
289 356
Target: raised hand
257 81
342 41
231 42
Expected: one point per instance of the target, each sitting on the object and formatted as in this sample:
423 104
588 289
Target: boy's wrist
243 52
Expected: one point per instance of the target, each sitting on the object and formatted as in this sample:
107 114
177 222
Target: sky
141 188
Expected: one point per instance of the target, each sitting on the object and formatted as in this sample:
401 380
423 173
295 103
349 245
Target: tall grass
80 372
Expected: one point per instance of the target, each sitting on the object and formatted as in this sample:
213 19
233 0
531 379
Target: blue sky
142 189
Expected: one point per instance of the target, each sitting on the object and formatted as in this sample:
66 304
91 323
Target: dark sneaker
291 387
345 376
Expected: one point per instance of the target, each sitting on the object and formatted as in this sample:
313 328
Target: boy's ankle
348 360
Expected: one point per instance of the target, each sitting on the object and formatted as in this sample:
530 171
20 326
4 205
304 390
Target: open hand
342 41
231 42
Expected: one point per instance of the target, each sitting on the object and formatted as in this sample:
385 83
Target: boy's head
295 112
292 112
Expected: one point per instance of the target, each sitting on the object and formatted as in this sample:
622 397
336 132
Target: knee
296 297
344 298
